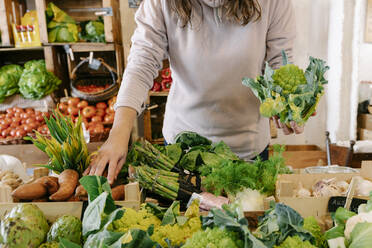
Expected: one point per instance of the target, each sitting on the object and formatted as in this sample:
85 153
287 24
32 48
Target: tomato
73 110
45 114
27 128
109 118
16 120
82 104
33 125
25 115
17 114
112 101
2 116
89 112
62 107
18 110
12 132
96 128
101 105
109 110
14 125
3 127
10 111
73 101
9 116
20 133
100 112
39 118
43 129
96 119
6 132
6 121
29 110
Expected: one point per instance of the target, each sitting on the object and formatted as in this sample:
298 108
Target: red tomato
33 125
27 128
101 105
6 132
73 101
82 104
73 110
20 133
97 128
39 118
89 112
6 121
2 116
96 119
17 114
18 110
14 125
16 119
12 132
10 111
100 112
109 118
45 114
109 111
62 107
112 101
25 115
3 127
30 111
9 116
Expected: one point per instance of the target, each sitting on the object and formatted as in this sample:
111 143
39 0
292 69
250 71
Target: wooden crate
73 7
11 12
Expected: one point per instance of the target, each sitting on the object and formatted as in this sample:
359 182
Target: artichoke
67 227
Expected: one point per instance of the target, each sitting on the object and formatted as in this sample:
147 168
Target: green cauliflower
24 226
289 92
295 241
288 77
49 245
213 238
312 225
68 227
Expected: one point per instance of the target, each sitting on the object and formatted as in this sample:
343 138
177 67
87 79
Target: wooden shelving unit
161 93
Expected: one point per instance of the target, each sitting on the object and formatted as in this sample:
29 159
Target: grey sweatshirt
208 60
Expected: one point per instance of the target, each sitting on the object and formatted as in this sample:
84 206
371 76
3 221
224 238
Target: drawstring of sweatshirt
217 15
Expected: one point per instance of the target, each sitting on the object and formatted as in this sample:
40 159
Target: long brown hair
239 11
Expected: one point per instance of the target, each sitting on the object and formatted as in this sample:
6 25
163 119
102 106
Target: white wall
312 18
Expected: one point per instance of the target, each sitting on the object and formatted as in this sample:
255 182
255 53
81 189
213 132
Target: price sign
368 31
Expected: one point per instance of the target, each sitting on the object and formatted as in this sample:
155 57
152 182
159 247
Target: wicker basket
106 76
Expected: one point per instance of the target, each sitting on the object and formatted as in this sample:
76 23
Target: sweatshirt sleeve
281 32
149 49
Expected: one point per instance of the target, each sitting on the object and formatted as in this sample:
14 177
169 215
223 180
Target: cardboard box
365 134
51 210
365 121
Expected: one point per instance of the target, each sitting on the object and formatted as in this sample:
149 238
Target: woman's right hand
112 154
114 151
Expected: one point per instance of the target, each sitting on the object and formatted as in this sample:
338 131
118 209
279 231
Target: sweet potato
51 183
80 191
67 181
30 191
73 198
118 193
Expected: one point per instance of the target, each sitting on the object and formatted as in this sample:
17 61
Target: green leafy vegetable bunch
289 92
9 77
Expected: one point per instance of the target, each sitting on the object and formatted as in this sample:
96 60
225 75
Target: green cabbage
93 31
9 77
61 27
36 82
289 92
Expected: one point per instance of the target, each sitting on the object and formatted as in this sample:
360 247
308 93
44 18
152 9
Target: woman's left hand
294 127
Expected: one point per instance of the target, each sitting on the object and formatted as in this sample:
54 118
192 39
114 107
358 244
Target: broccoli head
288 77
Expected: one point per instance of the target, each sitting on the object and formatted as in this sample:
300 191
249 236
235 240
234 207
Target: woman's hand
114 151
294 127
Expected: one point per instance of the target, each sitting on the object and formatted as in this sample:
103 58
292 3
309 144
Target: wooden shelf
86 46
161 93
9 49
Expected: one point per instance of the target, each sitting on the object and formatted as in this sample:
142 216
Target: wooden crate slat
40 8
112 27
5 20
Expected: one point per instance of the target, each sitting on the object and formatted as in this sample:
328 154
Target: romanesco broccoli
295 241
214 238
289 77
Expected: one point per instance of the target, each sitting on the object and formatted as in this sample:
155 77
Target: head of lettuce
289 92
36 82
9 77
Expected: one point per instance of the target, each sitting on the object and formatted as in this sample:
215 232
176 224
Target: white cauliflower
353 221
